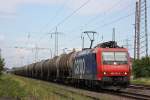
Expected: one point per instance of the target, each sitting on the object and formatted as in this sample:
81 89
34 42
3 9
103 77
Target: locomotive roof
109 44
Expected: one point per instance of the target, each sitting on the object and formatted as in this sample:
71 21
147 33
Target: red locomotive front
113 66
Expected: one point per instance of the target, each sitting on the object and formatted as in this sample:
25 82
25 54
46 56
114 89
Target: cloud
98 6
2 37
9 7
22 52
16 57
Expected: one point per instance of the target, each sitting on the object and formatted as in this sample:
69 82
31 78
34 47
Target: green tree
141 68
1 64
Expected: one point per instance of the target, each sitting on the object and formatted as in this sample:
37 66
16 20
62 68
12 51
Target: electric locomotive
106 65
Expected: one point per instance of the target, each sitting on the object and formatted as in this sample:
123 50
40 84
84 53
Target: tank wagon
105 65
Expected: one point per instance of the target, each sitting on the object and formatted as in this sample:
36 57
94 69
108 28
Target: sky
28 24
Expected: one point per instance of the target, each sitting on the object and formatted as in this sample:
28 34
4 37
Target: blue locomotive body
85 66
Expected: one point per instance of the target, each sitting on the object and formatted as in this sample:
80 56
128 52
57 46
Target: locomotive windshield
110 58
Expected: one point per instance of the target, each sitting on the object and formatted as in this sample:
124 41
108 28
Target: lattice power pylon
141 32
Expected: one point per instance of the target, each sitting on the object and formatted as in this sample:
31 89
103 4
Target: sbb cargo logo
79 67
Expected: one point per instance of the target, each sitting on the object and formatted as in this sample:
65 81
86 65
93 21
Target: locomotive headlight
104 73
125 73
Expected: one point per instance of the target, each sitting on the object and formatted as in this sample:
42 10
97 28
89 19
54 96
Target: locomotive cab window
110 58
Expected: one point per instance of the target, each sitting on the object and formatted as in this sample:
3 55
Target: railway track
133 92
129 93
132 95
122 93
137 92
137 86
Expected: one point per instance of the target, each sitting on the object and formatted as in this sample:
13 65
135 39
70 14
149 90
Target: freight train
106 65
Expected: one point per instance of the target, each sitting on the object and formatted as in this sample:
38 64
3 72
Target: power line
146 29
56 14
141 34
106 24
75 11
56 33
36 48
117 20
95 17
70 15
110 9
114 21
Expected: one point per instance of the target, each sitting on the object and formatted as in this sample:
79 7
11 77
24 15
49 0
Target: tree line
141 67
2 64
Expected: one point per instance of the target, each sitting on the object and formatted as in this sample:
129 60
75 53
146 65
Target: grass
144 81
10 88
21 88
30 89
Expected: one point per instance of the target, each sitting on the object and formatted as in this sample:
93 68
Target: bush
141 68
1 64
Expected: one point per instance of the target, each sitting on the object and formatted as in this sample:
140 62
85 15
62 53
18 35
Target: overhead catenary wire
75 11
52 19
109 9
117 20
114 21
59 10
67 17
94 18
